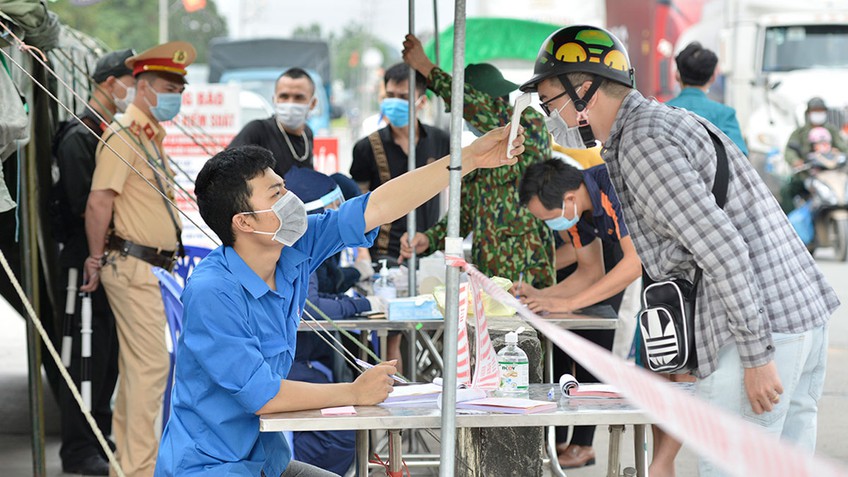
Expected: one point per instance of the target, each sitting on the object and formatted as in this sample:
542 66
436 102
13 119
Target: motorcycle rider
799 146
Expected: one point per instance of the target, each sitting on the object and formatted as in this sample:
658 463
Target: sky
388 19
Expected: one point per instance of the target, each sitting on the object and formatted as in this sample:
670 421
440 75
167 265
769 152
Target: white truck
774 56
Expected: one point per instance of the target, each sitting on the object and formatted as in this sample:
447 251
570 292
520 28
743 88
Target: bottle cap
511 338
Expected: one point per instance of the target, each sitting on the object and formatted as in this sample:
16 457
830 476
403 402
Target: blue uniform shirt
720 115
238 342
607 221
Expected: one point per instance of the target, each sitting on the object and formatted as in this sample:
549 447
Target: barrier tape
463 360
738 447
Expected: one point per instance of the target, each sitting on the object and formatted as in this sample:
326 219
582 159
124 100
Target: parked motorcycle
826 185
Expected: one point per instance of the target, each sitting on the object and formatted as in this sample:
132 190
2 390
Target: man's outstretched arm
396 198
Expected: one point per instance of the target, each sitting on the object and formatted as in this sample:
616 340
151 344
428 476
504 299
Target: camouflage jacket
508 240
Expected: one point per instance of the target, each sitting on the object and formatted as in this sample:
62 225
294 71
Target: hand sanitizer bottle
383 286
514 367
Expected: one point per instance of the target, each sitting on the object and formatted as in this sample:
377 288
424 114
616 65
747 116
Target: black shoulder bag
667 318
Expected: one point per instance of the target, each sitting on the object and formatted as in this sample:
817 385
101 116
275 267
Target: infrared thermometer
521 103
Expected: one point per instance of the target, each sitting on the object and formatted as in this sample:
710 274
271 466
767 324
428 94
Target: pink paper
338 411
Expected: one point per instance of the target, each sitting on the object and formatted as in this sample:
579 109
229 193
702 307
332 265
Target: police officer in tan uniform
131 228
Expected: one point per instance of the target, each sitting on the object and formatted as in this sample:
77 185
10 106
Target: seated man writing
243 303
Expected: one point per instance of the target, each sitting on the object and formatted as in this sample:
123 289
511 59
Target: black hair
222 187
400 73
549 181
296 73
696 64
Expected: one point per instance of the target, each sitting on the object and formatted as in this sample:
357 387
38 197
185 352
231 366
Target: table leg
362 453
614 461
384 339
640 445
412 351
556 470
395 453
364 336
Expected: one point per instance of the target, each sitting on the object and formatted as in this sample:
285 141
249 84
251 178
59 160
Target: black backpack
62 220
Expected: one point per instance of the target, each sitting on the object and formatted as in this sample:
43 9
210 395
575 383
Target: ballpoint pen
393 376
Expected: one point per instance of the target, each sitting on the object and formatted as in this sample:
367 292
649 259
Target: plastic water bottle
383 286
514 366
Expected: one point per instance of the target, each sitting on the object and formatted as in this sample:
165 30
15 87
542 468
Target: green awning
488 39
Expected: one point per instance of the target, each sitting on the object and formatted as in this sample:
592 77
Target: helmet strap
580 105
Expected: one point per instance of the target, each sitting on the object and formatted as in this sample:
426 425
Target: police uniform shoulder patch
135 128
148 131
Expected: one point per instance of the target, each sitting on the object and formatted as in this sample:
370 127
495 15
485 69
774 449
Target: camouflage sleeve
481 110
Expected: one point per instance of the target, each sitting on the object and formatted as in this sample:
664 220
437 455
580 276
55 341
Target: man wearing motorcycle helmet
761 295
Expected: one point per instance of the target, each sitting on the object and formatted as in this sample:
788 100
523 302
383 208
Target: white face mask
818 118
121 104
292 215
291 115
565 136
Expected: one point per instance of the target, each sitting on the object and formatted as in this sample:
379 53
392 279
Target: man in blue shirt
244 301
696 72
583 204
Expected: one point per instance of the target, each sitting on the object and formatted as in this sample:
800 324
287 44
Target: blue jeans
801 360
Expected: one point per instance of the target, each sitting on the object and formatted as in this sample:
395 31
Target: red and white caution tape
738 447
463 360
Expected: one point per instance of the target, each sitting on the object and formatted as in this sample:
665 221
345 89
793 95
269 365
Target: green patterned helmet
582 49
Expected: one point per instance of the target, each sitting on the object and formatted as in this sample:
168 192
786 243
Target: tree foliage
135 23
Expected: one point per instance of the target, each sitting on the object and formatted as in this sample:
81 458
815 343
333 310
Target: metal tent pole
437 56
411 225
163 21
30 272
453 246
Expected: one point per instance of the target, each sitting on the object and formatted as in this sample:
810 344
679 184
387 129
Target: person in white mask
243 302
799 146
286 133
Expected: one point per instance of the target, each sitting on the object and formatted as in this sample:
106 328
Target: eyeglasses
544 105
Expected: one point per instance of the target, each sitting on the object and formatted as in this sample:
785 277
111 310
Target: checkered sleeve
663 175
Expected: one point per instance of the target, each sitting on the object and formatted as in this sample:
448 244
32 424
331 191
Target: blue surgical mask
167 106
396 110
561 223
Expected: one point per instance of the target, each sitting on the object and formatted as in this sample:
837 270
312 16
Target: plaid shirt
758 277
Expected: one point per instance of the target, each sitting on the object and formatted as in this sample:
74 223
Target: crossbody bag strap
720 184
385 176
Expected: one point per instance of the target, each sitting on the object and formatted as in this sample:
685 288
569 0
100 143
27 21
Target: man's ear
313 102
241 224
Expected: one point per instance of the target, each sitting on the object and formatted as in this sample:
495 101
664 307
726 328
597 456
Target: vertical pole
411 226
437 56
29 247
395 453
362 453
453 246
163 21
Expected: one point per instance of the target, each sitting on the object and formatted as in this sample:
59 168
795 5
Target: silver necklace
291 148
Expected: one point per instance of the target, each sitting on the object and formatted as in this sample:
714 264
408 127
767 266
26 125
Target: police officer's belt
154 256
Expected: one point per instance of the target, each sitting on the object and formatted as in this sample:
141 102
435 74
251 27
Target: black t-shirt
433 144
75 159
266 133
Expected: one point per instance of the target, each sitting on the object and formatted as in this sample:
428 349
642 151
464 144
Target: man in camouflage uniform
508 240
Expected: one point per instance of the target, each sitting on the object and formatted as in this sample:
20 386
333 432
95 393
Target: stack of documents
508 405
